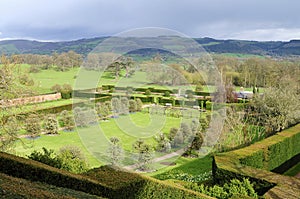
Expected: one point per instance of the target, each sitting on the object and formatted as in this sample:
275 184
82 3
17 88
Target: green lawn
93 139
81 79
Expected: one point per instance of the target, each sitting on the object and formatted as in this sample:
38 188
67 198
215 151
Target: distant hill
84 46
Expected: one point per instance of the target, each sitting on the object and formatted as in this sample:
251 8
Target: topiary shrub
139 104
66 120
147 92
51 125
167 94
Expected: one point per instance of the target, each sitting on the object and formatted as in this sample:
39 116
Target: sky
57 20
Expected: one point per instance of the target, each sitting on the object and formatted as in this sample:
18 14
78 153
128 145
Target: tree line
60 62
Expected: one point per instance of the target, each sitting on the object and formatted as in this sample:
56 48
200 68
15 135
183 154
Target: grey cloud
67 19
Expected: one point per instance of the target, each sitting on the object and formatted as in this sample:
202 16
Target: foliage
238 130
65 90
132 106
199 87
278 108
72 159
69 158
116 105
33 125
56 88
228 190
104 181
167 94
51 125
10 88
67 120
26 80
265 155
139 104
103 110
181 175
144 153
115 151
124 105
172 133
83 116
47 157
178 139
147 92
163 144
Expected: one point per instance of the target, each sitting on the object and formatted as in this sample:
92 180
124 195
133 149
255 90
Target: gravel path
170 155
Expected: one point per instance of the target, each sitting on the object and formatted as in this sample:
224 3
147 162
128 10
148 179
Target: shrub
67 120
56 88
26 80
103 110
167 94
46 156
132 106
81 117
124 105
235 187
144 152
33 125
50 125
34 69
139 104
115 151
72 159
147 92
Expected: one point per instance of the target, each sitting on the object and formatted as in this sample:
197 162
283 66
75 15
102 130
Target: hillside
84 46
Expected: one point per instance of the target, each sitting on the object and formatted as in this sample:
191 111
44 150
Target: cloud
66 20
281 34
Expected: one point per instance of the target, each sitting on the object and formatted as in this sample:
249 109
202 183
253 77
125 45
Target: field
92 141
45 79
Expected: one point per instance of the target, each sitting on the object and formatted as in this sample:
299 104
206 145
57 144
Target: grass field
93 139
81 79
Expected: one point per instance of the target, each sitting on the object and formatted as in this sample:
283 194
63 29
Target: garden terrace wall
31 100
134 186
258 160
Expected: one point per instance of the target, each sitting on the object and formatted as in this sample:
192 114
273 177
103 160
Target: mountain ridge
85 45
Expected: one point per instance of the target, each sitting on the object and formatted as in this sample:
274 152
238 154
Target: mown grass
90 139
192 166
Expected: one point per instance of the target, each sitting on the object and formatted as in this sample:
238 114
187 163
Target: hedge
107 182
258 160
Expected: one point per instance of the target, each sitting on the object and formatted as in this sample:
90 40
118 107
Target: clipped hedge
104 182
258 160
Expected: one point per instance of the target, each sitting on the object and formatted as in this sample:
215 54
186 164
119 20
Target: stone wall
30 100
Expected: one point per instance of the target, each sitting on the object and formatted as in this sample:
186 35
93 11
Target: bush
103 110
70 158
139 104
147 92
33 125
235 187
50 125
67 120
34 69
167 94
46 156
56 88
132 106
